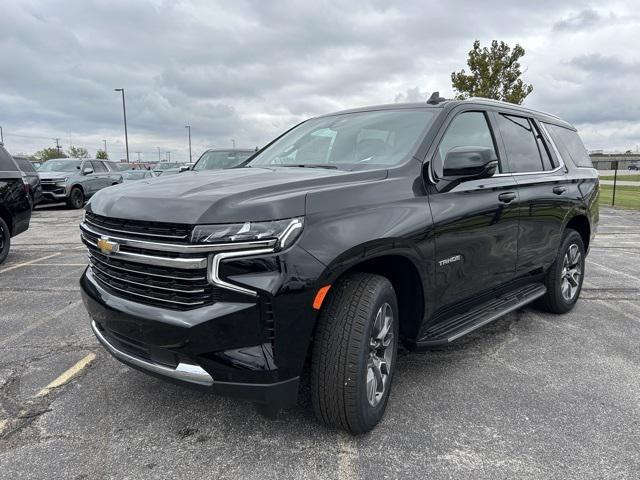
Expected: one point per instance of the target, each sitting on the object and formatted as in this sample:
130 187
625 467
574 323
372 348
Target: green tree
49 153
102 155
77 152
494 73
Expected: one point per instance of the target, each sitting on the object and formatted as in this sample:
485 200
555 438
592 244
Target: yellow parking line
68 375
30 262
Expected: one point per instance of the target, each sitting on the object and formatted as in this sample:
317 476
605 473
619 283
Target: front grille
162 286
154 231
51 187
138 283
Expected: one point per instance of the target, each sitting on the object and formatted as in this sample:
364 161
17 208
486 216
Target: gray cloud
582 20
248 70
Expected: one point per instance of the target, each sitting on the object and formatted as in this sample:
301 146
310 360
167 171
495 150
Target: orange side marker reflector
317 302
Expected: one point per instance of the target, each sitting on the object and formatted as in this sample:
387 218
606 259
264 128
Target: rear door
475 222
544 190
103 179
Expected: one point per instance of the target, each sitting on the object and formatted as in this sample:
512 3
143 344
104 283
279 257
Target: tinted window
6 162
349 141
98 167
521 144
24 165
469 129
570 145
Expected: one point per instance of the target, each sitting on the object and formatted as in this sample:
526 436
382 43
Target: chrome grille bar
92 256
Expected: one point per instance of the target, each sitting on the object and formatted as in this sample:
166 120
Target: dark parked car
350 233
73 180
221 158
33 179
634 166
15 204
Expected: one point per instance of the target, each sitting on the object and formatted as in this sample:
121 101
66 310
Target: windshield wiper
310 165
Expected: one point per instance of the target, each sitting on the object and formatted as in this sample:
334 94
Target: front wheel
565 276
76 198
354 353
5 240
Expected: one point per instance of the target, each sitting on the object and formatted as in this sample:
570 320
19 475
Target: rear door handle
559 190
507 197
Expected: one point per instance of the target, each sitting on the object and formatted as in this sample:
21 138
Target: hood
50 175
222 196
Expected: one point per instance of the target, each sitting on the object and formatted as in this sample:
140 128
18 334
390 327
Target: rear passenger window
6 162
469 129
98 167
522 144
569 144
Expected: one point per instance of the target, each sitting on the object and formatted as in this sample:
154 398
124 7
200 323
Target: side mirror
87 170
469 163
184 168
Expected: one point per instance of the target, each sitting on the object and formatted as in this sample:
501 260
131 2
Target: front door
475 222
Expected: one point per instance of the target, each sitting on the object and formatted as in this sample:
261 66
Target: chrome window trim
213 273
187 372
186 263
170 247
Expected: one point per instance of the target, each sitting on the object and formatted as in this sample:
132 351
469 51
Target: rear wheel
5 240
564 278
76 198
354 353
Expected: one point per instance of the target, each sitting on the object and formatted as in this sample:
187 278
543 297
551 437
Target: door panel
545 200
475 237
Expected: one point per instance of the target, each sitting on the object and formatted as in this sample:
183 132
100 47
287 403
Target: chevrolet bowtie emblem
107 247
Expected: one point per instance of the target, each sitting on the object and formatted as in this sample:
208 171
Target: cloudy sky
247 70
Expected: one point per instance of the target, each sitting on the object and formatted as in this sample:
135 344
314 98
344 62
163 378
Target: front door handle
559 190
507 197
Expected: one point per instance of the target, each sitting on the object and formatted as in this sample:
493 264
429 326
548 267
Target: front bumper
229 347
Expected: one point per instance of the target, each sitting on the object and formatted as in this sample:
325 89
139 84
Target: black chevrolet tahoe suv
15 203
348 235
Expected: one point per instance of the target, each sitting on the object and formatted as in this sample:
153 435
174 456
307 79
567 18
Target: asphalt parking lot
530 396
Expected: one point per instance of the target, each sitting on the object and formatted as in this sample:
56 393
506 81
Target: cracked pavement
531 395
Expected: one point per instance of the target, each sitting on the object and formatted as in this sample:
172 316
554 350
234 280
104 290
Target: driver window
469 129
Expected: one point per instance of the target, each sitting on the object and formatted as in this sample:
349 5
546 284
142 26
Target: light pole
159 159
188 127
1 135
105 148
233 142
124 110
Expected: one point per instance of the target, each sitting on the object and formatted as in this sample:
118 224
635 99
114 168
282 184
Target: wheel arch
6 216
402 268
580 223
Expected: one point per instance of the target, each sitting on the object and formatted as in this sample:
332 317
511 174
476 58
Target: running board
464 323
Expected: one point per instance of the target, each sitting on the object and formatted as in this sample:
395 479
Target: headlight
62 180
285 232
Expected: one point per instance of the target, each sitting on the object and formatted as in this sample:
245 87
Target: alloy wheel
571 272
380 354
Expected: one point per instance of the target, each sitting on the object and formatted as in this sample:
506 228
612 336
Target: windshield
215 160
60 166
133 175
349 141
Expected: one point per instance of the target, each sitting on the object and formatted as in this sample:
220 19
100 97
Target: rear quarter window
569 144
25 165
6 162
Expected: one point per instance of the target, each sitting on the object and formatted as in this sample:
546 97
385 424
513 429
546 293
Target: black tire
5 240
554 300
340 362
76 198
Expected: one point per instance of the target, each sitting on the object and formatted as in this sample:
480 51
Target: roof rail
491 101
